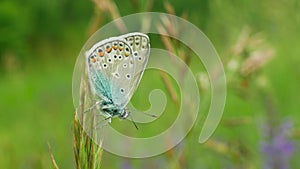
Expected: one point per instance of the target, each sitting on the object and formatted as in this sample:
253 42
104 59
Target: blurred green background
39 44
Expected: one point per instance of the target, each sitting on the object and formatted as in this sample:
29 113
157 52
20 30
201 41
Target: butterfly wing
115 66
103 61
126 85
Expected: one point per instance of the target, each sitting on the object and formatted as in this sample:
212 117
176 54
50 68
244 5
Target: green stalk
88 154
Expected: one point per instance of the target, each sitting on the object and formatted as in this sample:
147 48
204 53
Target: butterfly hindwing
140 46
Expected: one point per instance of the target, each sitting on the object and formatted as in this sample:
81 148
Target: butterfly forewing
115 66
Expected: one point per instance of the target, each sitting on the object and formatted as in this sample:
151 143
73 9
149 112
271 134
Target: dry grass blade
235 122
149 5
169 8
242 42
166 40
111 8
55 166
170 88
256 60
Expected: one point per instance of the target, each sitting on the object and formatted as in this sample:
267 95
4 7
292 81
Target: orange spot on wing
101 54
120 48
115 47
108 50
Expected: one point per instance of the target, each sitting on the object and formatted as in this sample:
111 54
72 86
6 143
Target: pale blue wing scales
99 83
102 60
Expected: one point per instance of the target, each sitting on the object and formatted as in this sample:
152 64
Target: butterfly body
110 109
115 67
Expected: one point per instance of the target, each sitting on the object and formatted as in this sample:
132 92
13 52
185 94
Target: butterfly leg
93 106
103 122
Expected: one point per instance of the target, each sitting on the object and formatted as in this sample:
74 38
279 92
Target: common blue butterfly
115 67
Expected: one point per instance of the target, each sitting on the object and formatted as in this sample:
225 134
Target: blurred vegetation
40 41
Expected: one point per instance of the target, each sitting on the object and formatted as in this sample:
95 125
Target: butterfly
115 67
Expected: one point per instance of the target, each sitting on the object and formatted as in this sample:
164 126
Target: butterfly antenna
151 115
133 122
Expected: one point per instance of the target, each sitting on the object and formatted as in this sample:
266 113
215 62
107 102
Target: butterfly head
124 114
